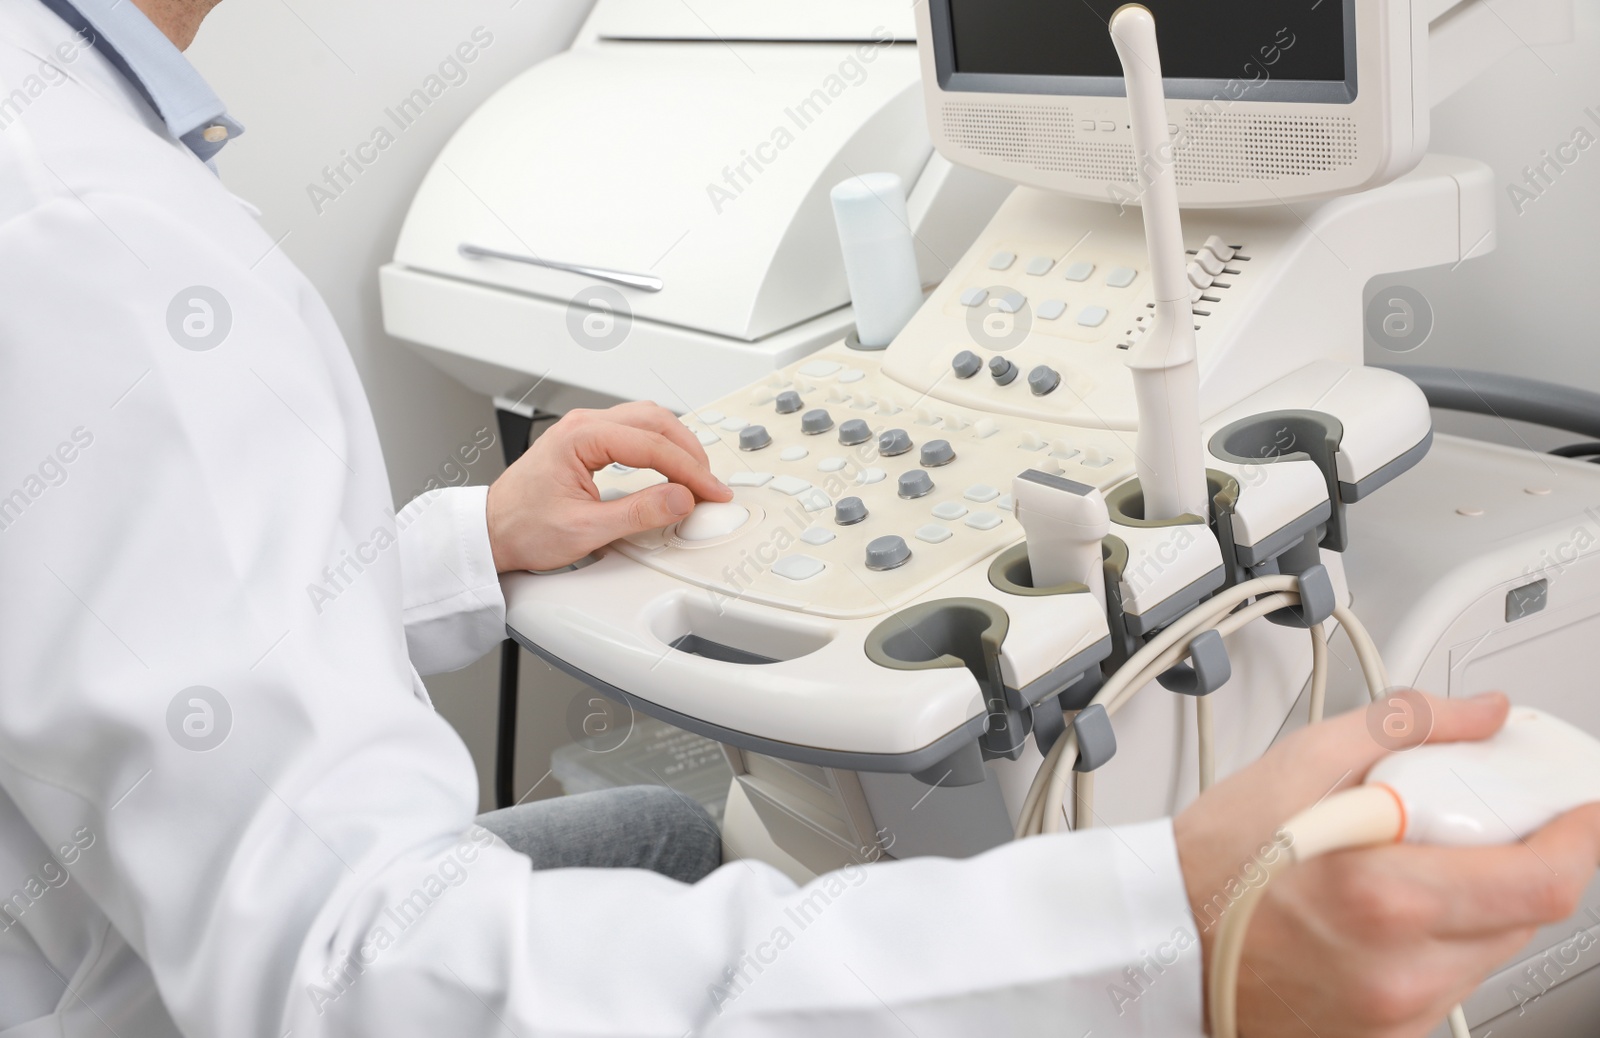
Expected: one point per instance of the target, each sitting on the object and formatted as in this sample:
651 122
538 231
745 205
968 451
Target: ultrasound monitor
1267 101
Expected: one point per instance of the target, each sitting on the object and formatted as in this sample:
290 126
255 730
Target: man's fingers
649 509
601 443
1339 753
657 419
1481 891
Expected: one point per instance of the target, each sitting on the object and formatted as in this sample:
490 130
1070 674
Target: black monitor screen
1021 45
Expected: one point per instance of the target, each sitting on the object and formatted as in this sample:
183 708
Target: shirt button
215 133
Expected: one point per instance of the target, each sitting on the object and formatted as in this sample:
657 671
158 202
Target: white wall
310 80
1531 307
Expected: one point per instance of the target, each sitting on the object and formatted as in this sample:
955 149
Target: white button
1205 261
734 424
1064 451
1218 248
763 396
793 454
707 437
815 500
983 520
1086 125
1093 316
798 567
981 492
711 417
749 479
1121 277
832 464
1079 271
867 477
1011 302
820 369
790 485
949 510
817 535
612 493
1004 504
1039 266
1032 442
1096 459
974 296
853 375
984 428
1051 309
933 533
1002 260
1106 125
617 466
711 519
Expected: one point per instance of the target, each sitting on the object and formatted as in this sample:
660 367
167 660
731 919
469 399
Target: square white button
983 520
1051 309
798 567
749 479
1011 302
791 485
981 493
1121 277
1039 266
1093 316
949 510
1079 271
974 296
817 535
933 533
1002 260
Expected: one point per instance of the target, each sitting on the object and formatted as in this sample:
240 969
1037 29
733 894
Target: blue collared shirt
157 69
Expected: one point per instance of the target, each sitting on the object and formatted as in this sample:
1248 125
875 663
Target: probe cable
1365 816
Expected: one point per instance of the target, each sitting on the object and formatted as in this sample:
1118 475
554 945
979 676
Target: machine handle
644 282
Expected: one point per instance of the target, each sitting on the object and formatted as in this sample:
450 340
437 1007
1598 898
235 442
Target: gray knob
816 421
915 484
967 364
894 442
849 511
853 432
1003 370
1043 379
936 453
789 402
754 437
887 552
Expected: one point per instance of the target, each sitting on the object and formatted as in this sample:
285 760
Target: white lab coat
164 512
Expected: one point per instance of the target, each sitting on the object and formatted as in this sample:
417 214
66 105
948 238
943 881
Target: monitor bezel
1297 91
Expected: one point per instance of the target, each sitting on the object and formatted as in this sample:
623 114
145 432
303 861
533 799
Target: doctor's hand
1378 942
545 511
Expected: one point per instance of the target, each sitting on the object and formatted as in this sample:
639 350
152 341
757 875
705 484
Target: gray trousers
635 827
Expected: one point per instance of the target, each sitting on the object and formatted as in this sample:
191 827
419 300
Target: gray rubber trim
894 763
1097 741
1140 624
1007 562
1506 396
1121 497
1352 492
1275 543
853 341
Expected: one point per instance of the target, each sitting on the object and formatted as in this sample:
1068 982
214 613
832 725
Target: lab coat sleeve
284 834
454 611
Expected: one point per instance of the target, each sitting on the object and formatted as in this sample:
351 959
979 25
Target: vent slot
1220 147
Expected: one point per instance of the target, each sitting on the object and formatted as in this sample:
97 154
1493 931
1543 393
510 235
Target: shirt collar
157 69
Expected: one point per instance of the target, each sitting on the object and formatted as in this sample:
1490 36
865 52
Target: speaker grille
1228 147
1218 147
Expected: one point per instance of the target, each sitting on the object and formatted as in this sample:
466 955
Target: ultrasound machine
1061 486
